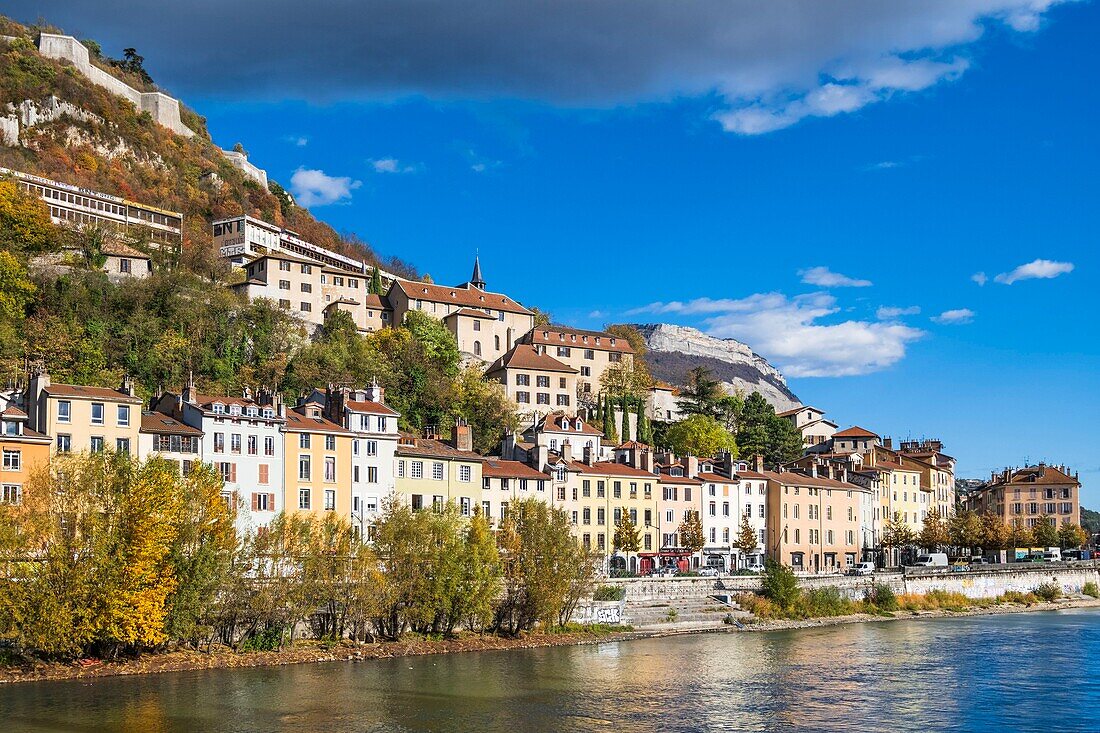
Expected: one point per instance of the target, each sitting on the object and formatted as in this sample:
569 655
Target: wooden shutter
271 502
233 472
255 502
263 473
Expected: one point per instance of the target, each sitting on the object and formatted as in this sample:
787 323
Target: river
1018 672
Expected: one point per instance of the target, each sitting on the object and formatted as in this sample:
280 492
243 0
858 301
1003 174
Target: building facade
81 418
591 353
24 452
537 383
1023 496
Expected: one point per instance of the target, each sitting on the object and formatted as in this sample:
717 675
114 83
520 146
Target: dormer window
580 425
219 408
269 413
235 410
11 427
677 471
252 411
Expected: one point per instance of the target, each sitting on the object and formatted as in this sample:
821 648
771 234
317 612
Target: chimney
376 393
758 463
813 468
691 467
508 446
844 474
463 436
645 459
127 386
567 451
589 458
188 393
888 443
541 457
246 393
36 409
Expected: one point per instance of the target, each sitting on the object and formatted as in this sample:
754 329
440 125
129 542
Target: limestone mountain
673 351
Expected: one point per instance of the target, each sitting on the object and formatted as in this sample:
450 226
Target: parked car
931 560
755 567
1075 554
709 572
977 560
862 568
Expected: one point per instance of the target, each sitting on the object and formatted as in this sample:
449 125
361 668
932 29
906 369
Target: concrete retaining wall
164 109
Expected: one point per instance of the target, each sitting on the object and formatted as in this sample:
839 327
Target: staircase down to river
680 614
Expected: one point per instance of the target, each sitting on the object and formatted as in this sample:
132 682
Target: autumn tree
691 533
747 540
1022 536
699 435
896 533
25 225
996 534
627 538
933 534
965 530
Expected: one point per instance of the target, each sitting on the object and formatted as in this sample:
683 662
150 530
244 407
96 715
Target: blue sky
706 188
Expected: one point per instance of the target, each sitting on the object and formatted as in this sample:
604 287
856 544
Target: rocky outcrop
673 351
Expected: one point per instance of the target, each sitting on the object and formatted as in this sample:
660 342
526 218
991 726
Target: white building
811 422
164 436
242 438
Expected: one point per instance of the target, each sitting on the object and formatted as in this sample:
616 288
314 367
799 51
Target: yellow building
317 460
24 451
81 418
813 522
431 472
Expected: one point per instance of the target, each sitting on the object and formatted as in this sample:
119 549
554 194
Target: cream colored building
81 418
813 522
591 353
171 439
504 483
811 422
431 472
537 383
485 324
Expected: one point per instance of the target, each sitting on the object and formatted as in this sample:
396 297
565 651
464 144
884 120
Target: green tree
701 395
376 282
644 430
780 586
896 533
699 435
965 530
609 431
1072 536
16 290
996 534
691 533
485 406
625 431
761 431
1046 534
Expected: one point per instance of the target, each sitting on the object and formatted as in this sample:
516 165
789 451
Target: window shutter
255 502
271 502
233 472
263 473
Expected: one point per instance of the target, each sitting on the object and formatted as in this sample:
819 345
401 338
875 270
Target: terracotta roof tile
375 408
566 336
431 448
159 423
526 356
461 296
299 422
91 393
855 432
497 468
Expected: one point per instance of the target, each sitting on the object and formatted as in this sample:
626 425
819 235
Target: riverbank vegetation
108 557
781 597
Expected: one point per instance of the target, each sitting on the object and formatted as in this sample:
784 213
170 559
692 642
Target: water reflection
1010 673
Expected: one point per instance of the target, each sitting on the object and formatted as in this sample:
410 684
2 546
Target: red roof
566 336
554 422
855 432
159 423
298 421
526 356
609 468
461 296
375 408
90 393
431 448
497 468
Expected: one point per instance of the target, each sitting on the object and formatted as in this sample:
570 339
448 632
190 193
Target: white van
931 560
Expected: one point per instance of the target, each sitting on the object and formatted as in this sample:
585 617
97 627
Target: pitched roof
610 468
469 312
161 424
1032 475
13 412
554 423
298 422
90 393
526 356
374 300
118 249
800 408
497 468
855 432
432 448
460 296
794 478
566 336
632 445
375 408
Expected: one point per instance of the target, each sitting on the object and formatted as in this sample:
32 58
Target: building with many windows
158 229
169 438
241 239
24 451
318 465
1021 496
81 418
591 353
536 382
811 422
503 483
431 472
814 522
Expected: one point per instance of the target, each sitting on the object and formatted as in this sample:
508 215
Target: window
11 494
219 442
13 460
122 445
330 469
306 269
330 442
303 498
305 307
303 440
284 285
252 445
123 415
372 447
542 381
542 398
263 502
269 446
586 516
418 469
64 443
599 489
96 444
64 411
372 474
303 468
437 471
589 354
330 500
97 413
563 400
235 443
523 397
523 380
477 348
307 288
464 473
417 502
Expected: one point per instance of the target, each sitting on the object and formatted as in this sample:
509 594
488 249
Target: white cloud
789 332
955 317
1036 269
825 278
392 165
316 188
980 278
887 313
300 141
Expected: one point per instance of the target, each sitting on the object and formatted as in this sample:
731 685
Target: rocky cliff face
676 350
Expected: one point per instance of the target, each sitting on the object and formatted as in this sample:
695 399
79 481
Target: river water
1019 672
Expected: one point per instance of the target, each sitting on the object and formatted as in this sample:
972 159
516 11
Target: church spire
476 279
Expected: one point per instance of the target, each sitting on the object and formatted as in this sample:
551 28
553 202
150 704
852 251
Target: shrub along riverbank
782 598
109 557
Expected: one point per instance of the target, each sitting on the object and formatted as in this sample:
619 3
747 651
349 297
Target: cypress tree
645 433
626 419
609 431
376 282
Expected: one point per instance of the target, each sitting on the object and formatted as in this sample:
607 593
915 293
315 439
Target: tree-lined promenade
108 556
